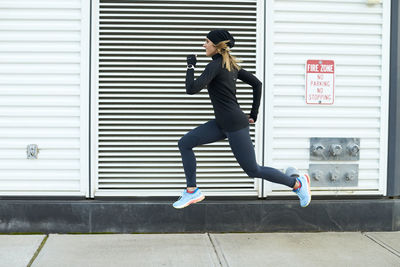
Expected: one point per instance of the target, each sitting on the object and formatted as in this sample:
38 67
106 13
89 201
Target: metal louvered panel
143 108
356 36
43 97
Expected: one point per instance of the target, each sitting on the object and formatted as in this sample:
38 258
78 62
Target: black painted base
158 216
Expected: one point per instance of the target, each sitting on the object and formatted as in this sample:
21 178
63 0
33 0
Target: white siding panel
44 97
356 36
142 106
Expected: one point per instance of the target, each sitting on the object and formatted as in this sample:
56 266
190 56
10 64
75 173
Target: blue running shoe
188 198
304 192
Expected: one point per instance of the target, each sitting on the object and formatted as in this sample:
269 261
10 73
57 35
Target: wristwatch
190 66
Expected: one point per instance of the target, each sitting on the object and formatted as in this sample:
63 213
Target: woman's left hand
191 60
251 120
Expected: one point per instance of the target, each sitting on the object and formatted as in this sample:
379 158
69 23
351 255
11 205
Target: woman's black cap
219 35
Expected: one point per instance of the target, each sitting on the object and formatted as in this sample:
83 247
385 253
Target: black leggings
241 145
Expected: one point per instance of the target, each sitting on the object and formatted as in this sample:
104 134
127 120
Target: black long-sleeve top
221 87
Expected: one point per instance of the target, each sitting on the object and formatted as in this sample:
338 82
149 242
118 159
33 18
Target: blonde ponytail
228 61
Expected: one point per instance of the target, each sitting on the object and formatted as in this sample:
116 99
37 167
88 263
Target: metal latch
32 151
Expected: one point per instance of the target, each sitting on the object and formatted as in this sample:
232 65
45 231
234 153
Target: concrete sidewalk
226 249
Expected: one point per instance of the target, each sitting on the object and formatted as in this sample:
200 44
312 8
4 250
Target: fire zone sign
320 79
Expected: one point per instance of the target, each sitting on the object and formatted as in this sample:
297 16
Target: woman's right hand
251 120
191 60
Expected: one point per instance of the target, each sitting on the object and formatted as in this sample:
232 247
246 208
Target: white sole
191 202
308 188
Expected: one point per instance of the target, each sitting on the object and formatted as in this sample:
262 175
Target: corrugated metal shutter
44 79
356 36
142 104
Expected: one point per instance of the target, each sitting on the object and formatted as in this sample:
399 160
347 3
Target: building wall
139 106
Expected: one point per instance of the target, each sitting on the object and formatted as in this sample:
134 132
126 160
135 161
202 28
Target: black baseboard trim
212 215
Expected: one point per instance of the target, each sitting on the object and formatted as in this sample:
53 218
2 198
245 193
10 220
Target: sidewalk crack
38 251
220 255
383 244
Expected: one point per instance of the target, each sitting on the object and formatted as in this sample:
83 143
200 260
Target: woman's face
210 48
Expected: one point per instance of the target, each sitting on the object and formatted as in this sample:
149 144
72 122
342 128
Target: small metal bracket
327 175
334 148
32 151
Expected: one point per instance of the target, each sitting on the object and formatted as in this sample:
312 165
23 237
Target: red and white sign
320 78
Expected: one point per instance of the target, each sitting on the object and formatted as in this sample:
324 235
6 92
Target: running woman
230 122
